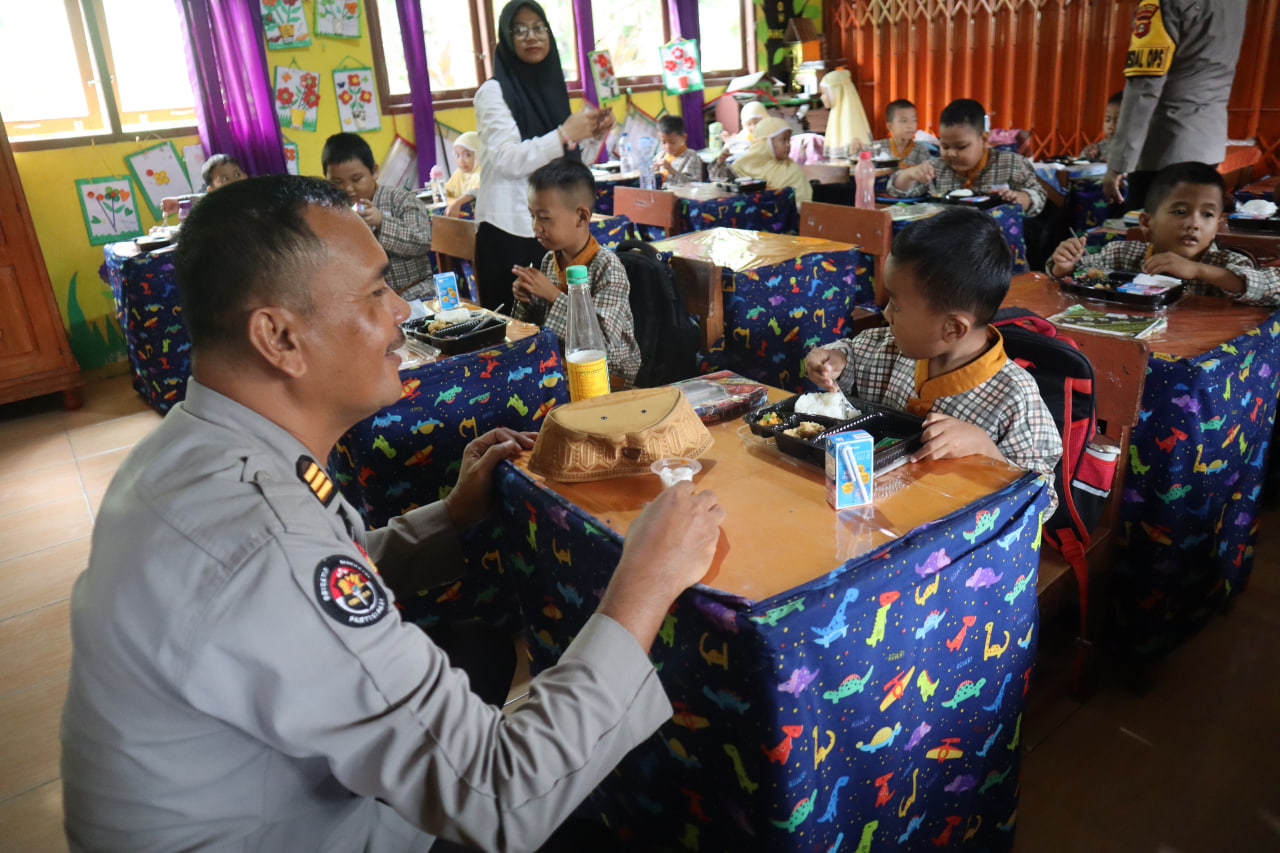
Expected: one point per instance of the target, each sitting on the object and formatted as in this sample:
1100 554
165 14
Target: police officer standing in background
1178 72
241 680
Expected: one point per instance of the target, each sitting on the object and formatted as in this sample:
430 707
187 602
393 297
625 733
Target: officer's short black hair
960 259
206 171
247 245
894 106
1189 172
344 147
964 111
568 175
671 124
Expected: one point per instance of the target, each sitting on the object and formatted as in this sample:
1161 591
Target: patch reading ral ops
349 592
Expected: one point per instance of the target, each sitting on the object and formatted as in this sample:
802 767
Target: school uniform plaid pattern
1261 286
681 171
611 295
405 235
1104 149
918 153
1003 167
1007 406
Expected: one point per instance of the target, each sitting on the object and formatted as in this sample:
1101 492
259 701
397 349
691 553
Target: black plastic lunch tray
1115 278
1270 225
884 425
987 202
467 336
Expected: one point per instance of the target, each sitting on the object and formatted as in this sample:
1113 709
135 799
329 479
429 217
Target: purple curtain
586 43
227 63
412 33
684 21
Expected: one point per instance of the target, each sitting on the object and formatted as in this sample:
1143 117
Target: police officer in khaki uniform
1178 72
241 679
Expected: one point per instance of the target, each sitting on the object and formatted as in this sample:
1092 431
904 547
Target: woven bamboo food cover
617 435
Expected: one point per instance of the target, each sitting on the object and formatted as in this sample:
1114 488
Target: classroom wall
1047 66
88 310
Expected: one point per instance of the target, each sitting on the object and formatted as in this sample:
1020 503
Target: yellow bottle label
587 379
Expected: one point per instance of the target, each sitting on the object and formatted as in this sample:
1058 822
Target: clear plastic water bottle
864 176
585 351
648 177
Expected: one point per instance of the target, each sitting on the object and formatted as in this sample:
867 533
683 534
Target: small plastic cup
675 469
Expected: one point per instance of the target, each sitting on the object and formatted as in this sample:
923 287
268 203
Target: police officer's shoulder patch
349 592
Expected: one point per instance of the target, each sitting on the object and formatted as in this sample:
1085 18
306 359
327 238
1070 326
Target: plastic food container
675 469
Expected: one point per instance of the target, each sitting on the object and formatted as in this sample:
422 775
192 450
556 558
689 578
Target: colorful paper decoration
339 19
193 159
285 23
681 70
607 88
297 97
159 173
110 209
291 157
357 100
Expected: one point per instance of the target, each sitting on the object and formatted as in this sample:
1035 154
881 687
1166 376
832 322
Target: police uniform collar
208 405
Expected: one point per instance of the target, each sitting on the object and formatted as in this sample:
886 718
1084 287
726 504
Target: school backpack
666 334
1084 475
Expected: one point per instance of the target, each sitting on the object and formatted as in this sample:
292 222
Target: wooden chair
870 230
647 207
1120 369
702 284
453 240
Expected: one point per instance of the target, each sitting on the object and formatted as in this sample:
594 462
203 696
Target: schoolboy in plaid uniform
902 120
967 162
1184 208
561 196
946 277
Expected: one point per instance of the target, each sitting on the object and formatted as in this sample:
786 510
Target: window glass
632 32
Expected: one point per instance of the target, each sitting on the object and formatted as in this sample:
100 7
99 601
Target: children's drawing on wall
110 209
291 157
285 23
681 71
159 173
607 88
339 18
193 159
297 97
357 100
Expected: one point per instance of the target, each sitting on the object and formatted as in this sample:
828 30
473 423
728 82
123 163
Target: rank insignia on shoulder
310 472
349 592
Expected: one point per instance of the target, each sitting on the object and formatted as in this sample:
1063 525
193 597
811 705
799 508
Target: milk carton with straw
850 469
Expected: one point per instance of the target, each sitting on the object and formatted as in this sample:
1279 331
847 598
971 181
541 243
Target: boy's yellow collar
961 379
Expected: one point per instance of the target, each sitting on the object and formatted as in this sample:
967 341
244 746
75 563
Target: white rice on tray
830 404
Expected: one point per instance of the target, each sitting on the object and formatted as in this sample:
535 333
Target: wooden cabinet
34 356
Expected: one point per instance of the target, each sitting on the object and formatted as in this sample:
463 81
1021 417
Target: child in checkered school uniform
946 277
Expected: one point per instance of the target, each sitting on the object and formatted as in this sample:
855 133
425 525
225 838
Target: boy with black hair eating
939 357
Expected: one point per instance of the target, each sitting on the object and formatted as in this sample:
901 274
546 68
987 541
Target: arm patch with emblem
1150 47
349 592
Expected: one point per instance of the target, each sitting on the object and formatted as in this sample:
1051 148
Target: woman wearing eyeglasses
524 121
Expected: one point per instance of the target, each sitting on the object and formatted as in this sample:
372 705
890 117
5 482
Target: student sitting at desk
561 199
769 159
678 164
903 121
1185 203
968 163
1101 149
395 216
946 277
219 170
466 179
753 112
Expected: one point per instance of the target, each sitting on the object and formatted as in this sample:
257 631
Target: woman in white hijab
847 128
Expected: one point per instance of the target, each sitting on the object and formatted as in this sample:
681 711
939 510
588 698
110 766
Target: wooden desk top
779 531
740 250
1197 324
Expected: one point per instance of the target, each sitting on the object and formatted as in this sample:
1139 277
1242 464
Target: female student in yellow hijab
847 127
769 158
466 178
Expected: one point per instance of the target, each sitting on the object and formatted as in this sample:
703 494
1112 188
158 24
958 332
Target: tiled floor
1188 765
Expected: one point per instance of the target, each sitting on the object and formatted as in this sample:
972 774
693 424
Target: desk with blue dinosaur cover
870 698
783 295
146 297
408 454
1197 463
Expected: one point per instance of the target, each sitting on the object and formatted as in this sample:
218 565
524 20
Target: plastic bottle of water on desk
584 350
864 176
